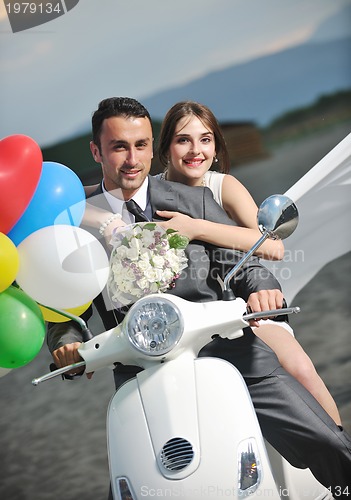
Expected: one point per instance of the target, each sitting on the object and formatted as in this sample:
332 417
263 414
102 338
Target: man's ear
95 152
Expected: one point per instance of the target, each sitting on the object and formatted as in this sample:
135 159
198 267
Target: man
291 419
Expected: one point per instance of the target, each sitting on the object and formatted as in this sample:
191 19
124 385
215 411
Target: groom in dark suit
291 419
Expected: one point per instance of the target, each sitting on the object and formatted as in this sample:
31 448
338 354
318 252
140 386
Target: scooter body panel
203 404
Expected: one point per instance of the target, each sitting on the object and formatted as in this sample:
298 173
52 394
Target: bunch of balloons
46 260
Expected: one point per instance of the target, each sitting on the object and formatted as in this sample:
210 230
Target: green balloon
22 328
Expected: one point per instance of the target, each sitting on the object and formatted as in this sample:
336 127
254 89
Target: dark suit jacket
198 282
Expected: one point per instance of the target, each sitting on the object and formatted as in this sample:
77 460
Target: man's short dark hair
116 106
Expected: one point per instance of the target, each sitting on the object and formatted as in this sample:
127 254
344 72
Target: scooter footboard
188 429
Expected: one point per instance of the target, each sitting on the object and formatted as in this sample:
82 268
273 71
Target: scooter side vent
176 454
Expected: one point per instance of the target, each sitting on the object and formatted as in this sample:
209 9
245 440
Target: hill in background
262 89
327 111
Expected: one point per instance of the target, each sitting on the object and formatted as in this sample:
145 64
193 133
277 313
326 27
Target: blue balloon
58 199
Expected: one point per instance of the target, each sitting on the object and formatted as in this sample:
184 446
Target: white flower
142 262
122 252
132 253
148 238
158 261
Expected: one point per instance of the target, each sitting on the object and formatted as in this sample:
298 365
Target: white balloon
62 266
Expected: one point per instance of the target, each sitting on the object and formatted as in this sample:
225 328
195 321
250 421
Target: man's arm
60 334
64 339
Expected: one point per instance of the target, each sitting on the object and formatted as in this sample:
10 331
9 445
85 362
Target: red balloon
21 163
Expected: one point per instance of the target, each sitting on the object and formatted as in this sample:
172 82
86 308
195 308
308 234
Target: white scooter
185 426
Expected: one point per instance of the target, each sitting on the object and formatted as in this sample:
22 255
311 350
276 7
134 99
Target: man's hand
263 301
67 355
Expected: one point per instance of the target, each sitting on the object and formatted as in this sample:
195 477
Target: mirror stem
228 293
86 333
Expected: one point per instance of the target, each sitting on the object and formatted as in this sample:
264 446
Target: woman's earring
215 159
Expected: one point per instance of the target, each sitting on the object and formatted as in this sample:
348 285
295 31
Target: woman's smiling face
191 151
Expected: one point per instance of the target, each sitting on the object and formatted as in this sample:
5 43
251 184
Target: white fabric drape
323 199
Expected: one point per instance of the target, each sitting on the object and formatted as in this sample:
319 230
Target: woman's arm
241 207
237 238
99 218
94 216
238 203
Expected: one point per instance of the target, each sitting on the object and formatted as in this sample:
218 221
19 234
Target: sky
53 76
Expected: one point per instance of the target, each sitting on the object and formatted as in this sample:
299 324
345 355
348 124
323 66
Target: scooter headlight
154 325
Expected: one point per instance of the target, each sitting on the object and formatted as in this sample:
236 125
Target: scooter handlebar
271 313
58 371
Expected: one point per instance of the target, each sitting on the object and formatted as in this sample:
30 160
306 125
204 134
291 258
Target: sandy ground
52 443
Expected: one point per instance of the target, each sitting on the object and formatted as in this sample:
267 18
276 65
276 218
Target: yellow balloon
9 262
55 317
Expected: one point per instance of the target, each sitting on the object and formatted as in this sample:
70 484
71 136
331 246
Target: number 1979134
34 8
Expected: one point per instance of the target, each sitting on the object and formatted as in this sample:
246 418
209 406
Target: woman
191 142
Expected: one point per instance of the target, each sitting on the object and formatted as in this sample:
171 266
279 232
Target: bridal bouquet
145 259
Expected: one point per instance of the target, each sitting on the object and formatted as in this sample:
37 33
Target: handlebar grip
65 376
272 312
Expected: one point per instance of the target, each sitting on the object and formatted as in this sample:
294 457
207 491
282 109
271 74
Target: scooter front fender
199 408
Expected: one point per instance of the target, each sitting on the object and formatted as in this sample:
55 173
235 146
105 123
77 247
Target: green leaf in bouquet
125 241
178 241
150 226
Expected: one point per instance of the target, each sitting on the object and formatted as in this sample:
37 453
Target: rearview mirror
278 216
